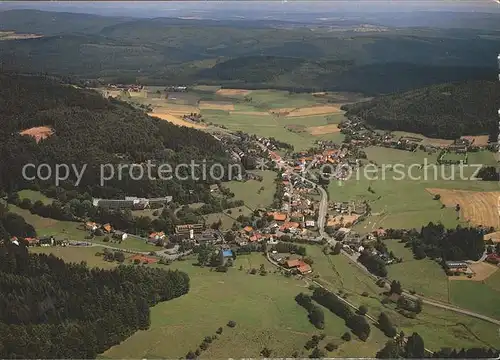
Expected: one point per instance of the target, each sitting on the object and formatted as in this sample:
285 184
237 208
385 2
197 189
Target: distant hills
247 53
445 111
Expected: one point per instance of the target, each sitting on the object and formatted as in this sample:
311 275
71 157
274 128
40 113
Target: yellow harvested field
482 271
323 129
481 140
39 132
476 207
256 113
210 105
232 92
176 120
495 237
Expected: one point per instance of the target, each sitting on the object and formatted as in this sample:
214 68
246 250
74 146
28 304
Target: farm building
457 266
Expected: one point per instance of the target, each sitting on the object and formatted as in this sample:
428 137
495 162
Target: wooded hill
245 53
89 129
445 111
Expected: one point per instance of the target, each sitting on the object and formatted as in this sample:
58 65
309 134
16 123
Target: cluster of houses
458 267
360 135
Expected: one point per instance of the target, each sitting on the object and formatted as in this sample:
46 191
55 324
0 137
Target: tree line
91 130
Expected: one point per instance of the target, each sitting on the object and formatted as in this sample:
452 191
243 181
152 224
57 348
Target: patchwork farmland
297 119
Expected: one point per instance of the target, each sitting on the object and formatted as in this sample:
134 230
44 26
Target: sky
233 7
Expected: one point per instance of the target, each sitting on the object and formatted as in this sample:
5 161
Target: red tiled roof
304 268
293 263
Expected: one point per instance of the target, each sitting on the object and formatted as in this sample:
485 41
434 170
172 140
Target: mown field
479 296
267 315
399 198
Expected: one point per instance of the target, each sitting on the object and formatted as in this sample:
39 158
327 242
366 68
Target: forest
445 111
88 129
50 309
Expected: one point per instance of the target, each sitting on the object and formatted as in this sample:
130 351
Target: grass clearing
227 219
399 198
